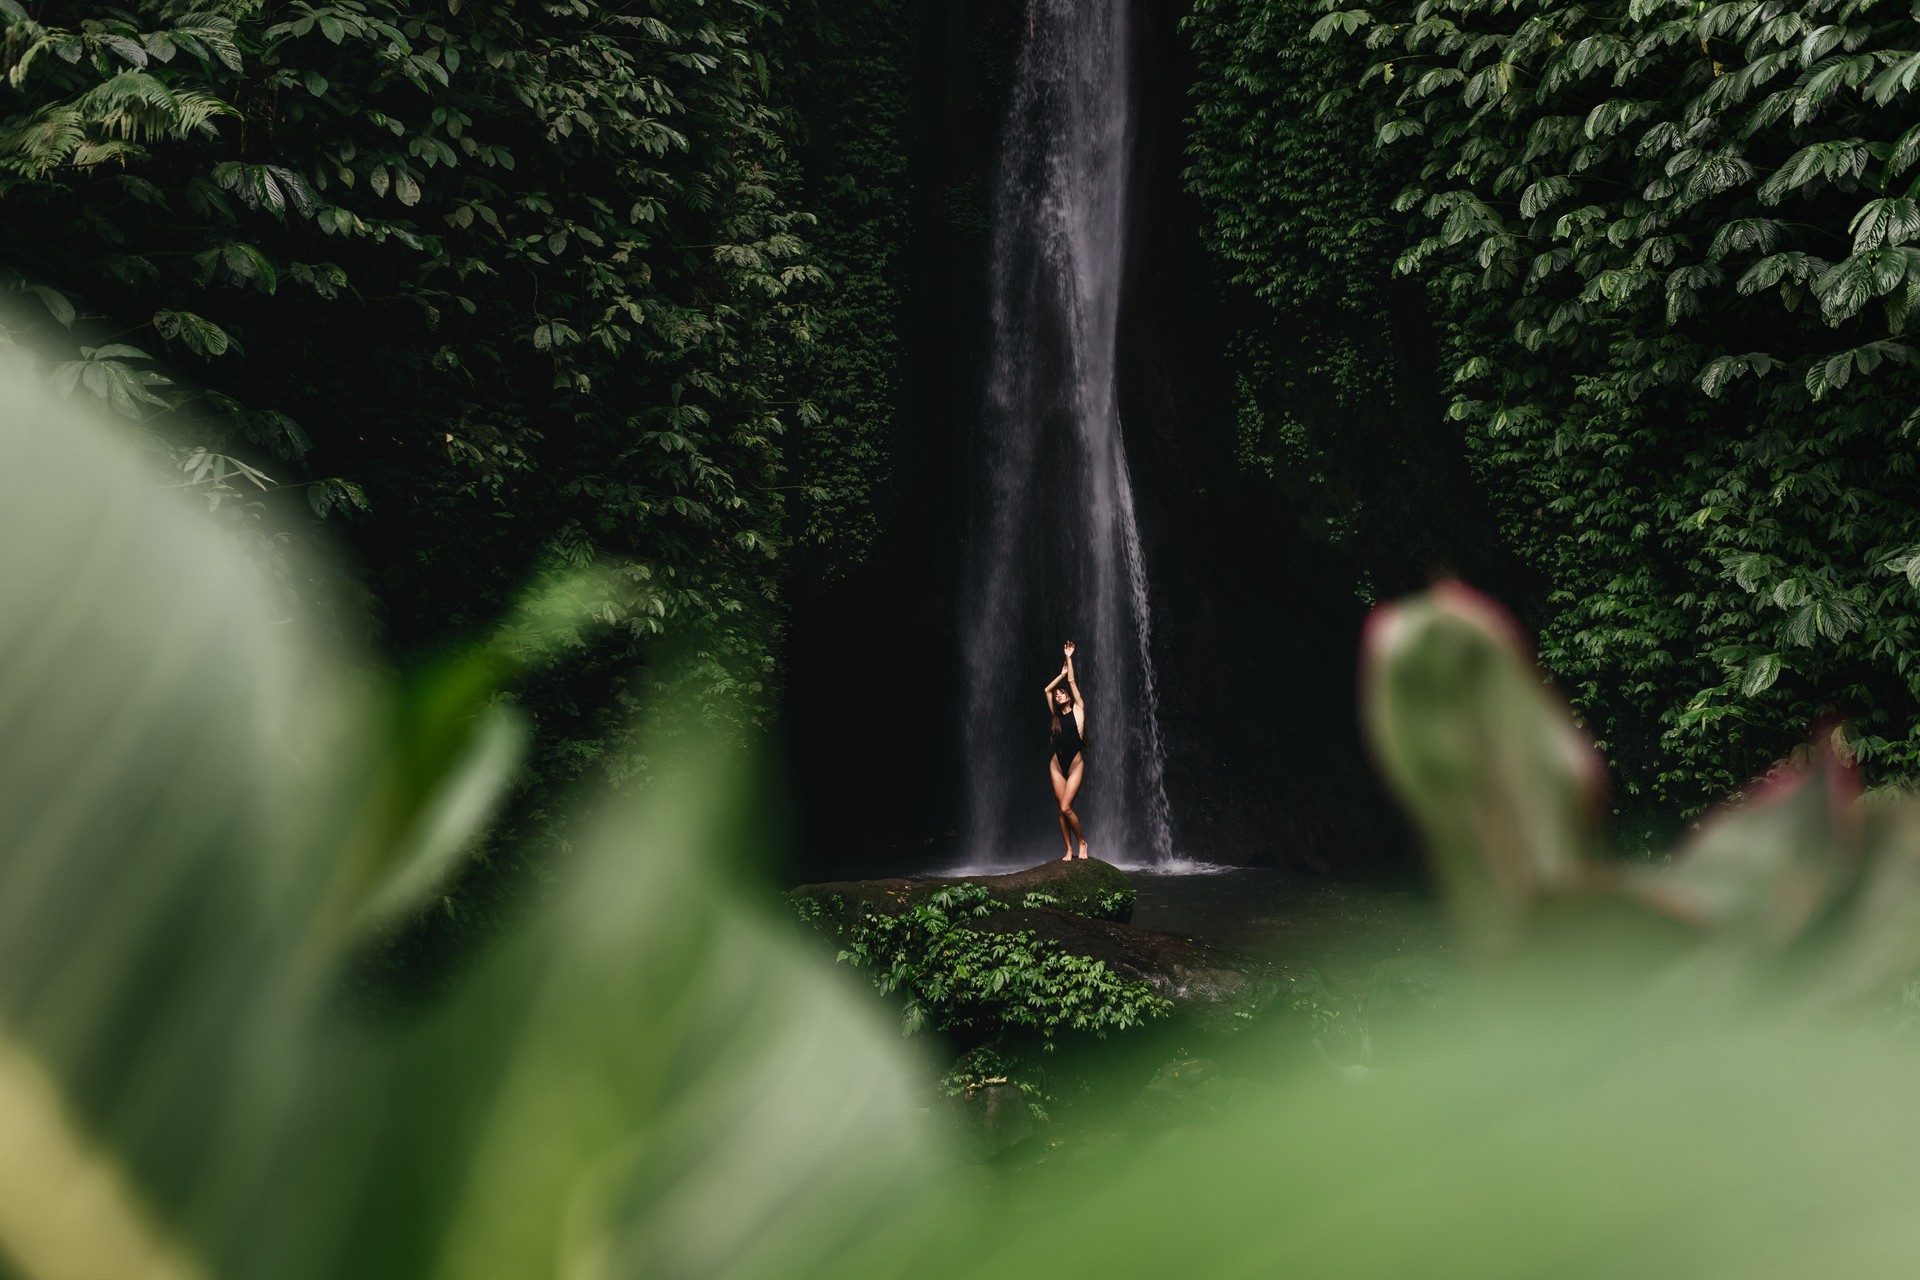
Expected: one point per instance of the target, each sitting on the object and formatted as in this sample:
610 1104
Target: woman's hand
1068 647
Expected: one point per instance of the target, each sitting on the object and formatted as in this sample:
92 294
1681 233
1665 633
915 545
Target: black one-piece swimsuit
1067 745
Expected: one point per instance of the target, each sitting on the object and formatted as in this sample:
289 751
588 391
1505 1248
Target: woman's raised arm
1079 703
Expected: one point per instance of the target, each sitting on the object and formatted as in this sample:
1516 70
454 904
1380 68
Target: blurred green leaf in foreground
200 818
1689 1072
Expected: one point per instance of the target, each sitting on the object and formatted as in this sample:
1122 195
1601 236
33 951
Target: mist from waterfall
1054 551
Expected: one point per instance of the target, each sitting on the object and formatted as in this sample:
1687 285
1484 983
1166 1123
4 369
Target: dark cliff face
871 724
1255 630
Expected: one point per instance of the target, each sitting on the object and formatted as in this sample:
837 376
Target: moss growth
1083 888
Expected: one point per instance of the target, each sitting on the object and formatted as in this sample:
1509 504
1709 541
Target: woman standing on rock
1069 761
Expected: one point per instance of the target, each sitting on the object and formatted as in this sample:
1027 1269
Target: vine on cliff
1296 206
1671 250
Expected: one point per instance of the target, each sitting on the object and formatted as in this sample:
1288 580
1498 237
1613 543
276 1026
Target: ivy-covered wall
853 113
1331 356
872 713
1668 251
478 294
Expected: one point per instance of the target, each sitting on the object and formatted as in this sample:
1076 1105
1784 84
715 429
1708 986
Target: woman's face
1061 699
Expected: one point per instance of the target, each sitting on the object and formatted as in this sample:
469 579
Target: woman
1069 760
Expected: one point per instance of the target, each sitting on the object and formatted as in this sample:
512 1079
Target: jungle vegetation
486 294
489 292
1668 255
572 324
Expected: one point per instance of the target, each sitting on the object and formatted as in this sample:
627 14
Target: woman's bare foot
1083 848
1068 857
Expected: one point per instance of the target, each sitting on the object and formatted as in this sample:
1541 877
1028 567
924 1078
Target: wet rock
1084 887
1212 990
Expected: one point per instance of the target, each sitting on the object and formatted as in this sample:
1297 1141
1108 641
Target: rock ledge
1089 887
1083 908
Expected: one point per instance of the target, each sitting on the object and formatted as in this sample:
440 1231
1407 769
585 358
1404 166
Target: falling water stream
1054 551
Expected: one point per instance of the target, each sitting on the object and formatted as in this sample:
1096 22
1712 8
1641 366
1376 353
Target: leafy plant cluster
1113 904
498 291
193 870
552 265
993 1063
1670 249
953 977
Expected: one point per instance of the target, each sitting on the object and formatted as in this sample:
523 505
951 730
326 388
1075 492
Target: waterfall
1054 553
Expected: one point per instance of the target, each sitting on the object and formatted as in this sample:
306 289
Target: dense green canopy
519 283
1669 249
514 289
511 302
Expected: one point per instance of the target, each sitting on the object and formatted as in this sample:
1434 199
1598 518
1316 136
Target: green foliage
1279 156
1797 892
993 1063
1669 246
528 274
953 977
204 810
1294 209
1448 692
1326 349
498 292
1113 904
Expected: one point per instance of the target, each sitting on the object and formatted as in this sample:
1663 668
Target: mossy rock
1214 991
1084 887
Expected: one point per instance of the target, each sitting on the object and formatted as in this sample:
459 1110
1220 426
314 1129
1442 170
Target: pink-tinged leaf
1871 938
1766 867
1484 755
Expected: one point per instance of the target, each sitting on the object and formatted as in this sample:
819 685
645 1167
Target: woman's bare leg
1069 820
1060 799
